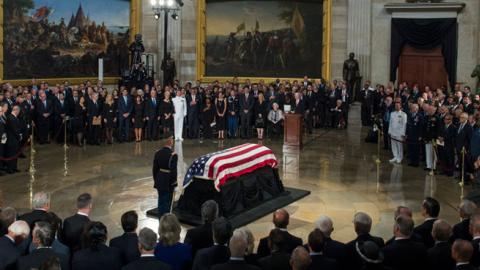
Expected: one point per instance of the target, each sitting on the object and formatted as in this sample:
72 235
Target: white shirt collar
316 253
82 214
237 258
401 238
147 255
462 263
476 237
430 218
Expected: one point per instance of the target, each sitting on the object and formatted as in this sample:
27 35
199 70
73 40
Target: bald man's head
281 218
300 259
462 251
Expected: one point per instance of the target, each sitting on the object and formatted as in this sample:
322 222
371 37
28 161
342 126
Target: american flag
233 162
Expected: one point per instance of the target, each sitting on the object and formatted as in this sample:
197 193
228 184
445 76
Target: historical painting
64 39
264 38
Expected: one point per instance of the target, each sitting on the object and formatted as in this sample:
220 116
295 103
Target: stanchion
32 153
379 141
462 182
65 145
431 173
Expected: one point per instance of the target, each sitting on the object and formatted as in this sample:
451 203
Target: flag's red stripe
270 162
231 155
244 160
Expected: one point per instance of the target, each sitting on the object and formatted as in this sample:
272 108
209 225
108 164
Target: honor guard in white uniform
396 130
180 105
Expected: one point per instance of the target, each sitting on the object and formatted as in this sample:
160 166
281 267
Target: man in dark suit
152 115
124 108
201 236
404 253
60 110
17 232
300 259
43 113
128 242
194 102
447 150
462 253
333 249
281 218
362 224
43 238
439 256
41 206
14 137
430 210
73 226
94 111
475 230
461 230
246 102
147 239
299 106
237 246
462 143
55 223
278 258
316 244
219 252
165 176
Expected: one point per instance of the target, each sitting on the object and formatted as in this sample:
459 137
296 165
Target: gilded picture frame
201 47
135 27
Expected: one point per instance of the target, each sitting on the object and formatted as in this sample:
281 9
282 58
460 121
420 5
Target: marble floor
335 165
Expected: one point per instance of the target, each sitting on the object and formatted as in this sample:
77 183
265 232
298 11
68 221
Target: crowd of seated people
39 239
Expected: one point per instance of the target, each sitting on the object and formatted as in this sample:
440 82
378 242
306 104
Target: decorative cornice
425 7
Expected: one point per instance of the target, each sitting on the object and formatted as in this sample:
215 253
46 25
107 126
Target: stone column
359 34
339 37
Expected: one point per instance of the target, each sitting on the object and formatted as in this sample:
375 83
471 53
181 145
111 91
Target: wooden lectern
293 130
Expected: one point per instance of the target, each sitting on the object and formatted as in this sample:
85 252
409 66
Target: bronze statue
351 72
136 49
169 70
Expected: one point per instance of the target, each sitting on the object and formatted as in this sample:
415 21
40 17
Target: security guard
165 176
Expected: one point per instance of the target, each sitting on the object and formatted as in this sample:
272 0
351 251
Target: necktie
154 102
461 127
275 117
45 104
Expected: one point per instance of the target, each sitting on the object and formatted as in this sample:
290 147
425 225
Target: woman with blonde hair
109 117
169 249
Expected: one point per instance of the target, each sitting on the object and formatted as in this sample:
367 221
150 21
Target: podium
293 130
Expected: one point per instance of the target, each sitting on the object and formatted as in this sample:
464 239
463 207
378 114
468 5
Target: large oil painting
64 39
264 38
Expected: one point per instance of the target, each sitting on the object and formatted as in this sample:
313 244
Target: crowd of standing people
439 127
92 114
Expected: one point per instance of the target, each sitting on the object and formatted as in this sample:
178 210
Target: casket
238 179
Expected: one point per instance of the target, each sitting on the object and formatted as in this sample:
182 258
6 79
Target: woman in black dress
221 109
80 115
208 116
109 116
138 119
166 112
261 110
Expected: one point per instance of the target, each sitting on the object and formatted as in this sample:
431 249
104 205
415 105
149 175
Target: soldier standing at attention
165 176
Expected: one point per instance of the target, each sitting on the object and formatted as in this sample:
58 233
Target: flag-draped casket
238 178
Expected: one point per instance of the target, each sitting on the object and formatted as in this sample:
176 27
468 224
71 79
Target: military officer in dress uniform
396 129
415 124
165 175
180 105
432 124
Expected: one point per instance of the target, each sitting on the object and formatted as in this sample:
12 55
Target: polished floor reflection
337 166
